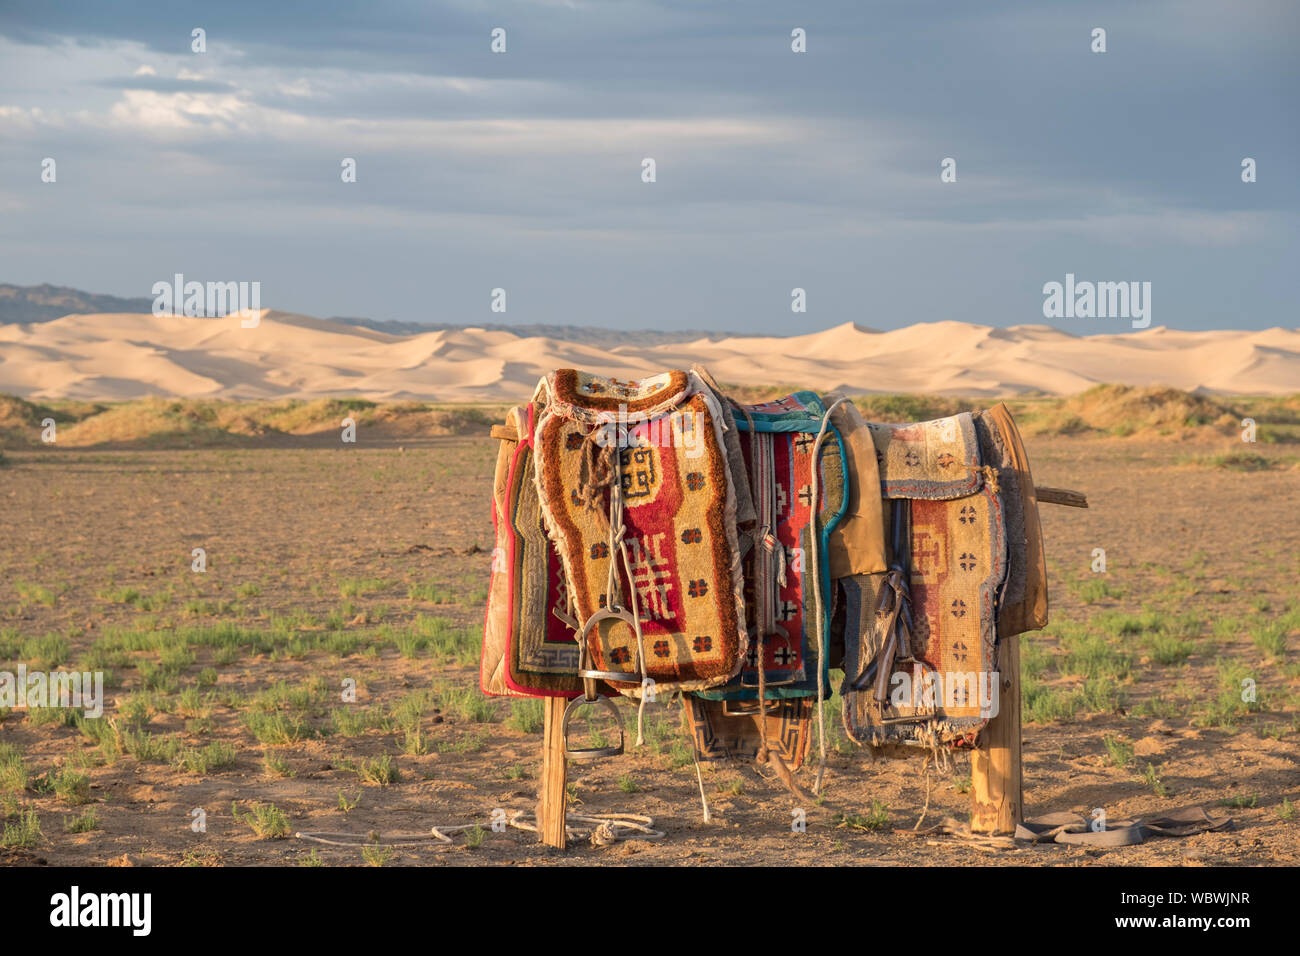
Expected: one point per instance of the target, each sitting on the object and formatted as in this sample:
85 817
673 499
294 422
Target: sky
774 170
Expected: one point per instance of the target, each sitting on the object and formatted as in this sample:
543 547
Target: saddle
656 536
966 569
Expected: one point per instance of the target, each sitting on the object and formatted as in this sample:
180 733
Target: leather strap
1185 822
893 615
1071 828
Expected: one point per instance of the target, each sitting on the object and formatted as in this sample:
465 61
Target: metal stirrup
619 677
749 708
590 753
590 697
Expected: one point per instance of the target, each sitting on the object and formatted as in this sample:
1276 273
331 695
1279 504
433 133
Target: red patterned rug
529 644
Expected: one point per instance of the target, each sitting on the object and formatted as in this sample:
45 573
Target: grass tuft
266 820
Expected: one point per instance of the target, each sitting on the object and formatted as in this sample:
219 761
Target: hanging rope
602 466
617 549
821 622
699 779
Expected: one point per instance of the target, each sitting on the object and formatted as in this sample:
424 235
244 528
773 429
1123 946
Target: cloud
769 163
163 84
148 110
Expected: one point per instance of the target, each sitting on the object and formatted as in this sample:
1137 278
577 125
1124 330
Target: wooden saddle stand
657 536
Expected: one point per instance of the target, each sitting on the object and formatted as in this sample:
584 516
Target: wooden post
997 788
551 789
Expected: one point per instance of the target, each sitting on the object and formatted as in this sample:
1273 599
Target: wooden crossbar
1061 496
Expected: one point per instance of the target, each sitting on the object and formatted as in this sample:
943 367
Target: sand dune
124 356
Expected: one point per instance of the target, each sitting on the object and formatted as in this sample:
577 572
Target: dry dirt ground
369 563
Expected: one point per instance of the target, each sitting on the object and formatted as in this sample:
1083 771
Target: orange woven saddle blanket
637 496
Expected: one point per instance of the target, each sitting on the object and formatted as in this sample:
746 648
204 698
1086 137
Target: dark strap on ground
1073 829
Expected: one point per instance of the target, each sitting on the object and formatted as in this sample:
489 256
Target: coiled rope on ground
601 829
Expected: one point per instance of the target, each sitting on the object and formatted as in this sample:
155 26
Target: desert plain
319 673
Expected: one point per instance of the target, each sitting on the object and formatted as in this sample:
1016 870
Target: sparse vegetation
47 652
266 820
276 766
13 769
1091 655
1043 704
474 837
215 756
278 729
1241 801
1121 752
236 674
877 818
526 715
466 702
1237 461
351 720
1238 696
380 771
1151 777
35 593
84 822
431 593
1169 649
377 855
70 786
198 423
362 587
22 831
1271 638
1098 589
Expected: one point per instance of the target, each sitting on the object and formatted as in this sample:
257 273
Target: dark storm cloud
770 164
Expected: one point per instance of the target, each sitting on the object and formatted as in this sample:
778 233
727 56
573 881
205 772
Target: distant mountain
42 303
